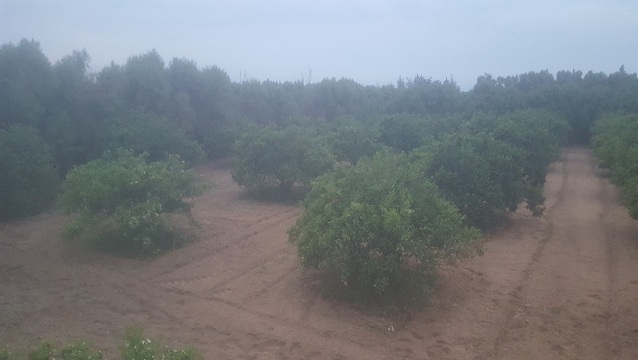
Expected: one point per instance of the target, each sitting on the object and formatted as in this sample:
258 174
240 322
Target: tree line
394 178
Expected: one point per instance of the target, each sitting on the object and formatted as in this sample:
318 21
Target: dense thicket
122 202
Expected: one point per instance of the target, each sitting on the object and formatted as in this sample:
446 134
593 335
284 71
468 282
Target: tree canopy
368 223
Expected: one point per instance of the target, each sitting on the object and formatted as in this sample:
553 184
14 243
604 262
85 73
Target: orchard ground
563 286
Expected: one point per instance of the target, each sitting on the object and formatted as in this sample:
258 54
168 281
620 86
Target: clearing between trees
563 286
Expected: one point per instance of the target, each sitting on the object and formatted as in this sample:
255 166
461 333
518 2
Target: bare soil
563 286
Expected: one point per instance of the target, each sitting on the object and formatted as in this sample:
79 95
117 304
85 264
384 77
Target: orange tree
280 159
380 228
122 202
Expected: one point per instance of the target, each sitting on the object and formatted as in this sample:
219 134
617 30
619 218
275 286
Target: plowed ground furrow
338 338
257 281
534 240
561 300
201 265
221 274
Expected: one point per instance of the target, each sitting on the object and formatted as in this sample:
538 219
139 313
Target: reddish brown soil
564 286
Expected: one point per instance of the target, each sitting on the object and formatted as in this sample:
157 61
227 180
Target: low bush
280 159
122 202
380 228
615 144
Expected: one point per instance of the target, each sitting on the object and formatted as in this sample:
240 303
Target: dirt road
564 286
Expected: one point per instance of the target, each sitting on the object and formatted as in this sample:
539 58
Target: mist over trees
175 107
479 154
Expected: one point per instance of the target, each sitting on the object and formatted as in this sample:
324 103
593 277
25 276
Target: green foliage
122 202
138 347
378 225
352 141
147 133
79 350
27 84
615 144
403 132
273 159
483 177
28 178
540 134
426 96
44 351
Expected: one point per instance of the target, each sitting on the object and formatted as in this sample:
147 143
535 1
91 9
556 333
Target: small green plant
122 202
5 354
138 347
44 351
79 350
615 144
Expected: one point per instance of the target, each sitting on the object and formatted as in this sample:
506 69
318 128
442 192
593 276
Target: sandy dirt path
564 286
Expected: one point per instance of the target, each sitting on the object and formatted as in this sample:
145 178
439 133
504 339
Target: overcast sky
372 41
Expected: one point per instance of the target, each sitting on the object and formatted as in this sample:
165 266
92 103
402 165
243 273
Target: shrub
353 141
122 202
540 134
483 177
279 159
28 178
379 226
147 133
615 144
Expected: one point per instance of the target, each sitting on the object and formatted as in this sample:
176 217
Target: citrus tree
379 227
615 144
482 176
122 202
279 159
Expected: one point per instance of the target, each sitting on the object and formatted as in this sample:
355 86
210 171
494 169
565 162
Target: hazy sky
372 42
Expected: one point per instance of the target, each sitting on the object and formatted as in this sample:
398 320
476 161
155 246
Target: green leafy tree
27 86
280 159
353 140
122 202
426 96
615 144
379 227
539 133
143 132
28 177
147 86
482 176
403 132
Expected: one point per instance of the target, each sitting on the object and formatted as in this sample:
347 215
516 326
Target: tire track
561 305
240 241
517 304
